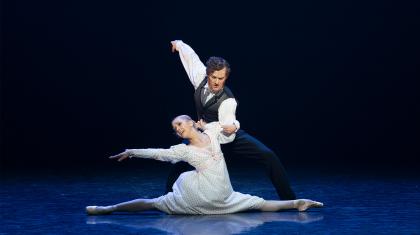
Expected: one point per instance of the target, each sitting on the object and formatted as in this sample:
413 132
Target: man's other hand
173 43
229 129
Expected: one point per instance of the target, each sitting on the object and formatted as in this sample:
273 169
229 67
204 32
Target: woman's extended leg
299 204
130 206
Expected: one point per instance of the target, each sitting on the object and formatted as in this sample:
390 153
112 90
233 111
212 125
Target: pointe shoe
304 204
318 204
98 210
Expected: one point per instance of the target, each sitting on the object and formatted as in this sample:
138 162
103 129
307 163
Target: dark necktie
206 93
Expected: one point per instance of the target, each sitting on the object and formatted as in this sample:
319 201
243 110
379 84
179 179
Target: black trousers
246 146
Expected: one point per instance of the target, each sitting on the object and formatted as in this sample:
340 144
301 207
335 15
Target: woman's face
182 127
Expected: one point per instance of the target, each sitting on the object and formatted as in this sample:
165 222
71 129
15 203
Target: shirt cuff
178 44
237 124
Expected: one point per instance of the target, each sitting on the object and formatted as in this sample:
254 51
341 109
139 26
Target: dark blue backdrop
330 82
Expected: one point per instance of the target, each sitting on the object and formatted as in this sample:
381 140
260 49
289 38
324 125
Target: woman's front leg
129 206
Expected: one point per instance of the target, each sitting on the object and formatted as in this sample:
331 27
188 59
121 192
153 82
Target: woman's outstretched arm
174 154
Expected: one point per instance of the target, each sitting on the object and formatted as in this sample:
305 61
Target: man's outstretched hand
173 43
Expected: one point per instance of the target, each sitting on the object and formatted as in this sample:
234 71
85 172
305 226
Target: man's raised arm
195 69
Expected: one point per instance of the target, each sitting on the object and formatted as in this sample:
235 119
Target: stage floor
53 203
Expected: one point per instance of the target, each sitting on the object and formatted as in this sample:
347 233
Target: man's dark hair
217 63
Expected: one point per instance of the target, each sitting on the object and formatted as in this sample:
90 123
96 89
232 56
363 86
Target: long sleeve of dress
195 69
216 129
174 154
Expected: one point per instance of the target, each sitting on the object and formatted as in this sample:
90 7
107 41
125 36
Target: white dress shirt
196 72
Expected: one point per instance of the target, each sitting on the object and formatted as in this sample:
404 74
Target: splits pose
205 190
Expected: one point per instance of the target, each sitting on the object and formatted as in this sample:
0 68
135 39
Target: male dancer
216 103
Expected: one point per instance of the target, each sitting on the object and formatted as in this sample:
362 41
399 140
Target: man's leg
176 170
247 146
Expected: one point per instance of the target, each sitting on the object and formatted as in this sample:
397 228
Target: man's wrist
237 125
178 44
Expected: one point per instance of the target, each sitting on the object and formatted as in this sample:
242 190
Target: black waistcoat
210 111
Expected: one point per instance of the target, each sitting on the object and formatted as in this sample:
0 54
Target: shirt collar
211 92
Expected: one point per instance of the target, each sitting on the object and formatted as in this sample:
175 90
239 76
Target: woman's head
183 125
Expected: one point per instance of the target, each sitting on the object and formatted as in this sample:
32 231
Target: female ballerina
205 190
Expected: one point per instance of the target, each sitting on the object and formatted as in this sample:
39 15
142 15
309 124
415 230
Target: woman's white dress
205 190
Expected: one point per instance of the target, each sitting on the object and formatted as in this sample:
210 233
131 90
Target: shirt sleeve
195 69
174 154
227 113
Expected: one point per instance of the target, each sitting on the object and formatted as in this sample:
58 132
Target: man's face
216 80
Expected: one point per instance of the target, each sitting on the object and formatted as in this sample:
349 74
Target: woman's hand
200 124
122 156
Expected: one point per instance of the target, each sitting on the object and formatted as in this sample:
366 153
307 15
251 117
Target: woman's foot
99 210
304 204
